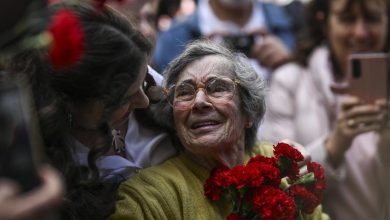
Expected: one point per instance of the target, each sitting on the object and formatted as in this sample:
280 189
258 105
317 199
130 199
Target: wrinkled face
134 98
356 29
207 127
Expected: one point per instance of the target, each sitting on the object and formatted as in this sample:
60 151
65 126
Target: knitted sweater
174 190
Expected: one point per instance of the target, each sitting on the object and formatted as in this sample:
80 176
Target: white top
144 148
211 24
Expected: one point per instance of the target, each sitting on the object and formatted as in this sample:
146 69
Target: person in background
215 101
166 12
342 132
84 108
42 202
261 30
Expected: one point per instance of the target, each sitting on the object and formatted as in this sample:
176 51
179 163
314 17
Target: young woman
84 108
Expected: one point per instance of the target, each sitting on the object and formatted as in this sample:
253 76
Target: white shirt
144 148
211 24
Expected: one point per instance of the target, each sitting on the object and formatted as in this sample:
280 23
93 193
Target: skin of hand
384 136
354 118
37 204
270 52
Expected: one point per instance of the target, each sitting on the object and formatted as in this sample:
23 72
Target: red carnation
234 216
273 204
246 176
319 184
214 185
283 149
270 173
68 39
304 199
288 158
262 159
256 191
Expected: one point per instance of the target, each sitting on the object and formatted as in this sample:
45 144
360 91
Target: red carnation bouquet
269 188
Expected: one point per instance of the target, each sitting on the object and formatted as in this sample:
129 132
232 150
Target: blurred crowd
128 104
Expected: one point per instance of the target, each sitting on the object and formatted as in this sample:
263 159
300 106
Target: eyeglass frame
166 91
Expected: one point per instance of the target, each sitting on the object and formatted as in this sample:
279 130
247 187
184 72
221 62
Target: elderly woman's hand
37 204
355 118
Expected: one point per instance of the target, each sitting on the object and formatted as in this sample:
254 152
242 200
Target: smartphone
20 140
240 42
369 76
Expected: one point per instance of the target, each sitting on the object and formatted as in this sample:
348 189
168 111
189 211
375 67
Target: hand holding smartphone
20 142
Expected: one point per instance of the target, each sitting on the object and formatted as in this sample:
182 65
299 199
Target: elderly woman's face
354 28
207 127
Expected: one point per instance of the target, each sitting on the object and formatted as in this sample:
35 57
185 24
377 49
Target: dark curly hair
114 54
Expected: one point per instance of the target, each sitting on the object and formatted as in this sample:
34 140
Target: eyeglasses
182 96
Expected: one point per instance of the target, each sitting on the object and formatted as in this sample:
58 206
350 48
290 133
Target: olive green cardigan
174 190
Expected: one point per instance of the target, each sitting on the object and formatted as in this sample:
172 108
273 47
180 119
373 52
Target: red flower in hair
67 46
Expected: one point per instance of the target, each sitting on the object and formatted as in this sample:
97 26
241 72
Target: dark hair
317 14
251 88
113 57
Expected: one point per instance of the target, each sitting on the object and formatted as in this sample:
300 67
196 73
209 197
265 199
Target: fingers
270 52
51 191
364 113
350 101
34 204
8 189
360 119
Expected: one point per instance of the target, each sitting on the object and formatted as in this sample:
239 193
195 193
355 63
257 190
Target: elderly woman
215 101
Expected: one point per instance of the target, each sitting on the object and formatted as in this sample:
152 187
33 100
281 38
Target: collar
209 23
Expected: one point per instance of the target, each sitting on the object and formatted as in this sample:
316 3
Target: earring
70 120
118 143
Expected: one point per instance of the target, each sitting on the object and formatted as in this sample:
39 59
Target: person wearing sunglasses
214 103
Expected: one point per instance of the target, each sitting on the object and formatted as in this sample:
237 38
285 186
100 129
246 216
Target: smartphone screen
19 140
368 76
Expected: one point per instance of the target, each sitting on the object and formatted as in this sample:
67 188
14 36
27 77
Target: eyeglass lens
215 88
